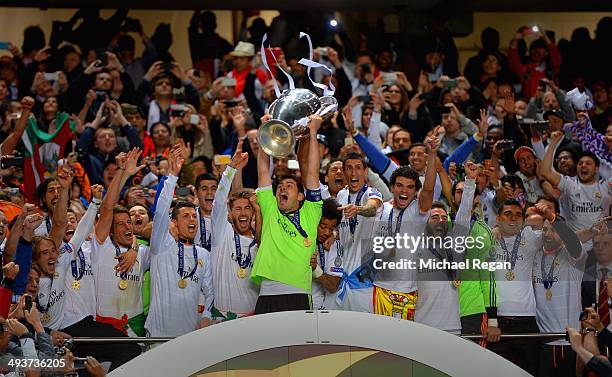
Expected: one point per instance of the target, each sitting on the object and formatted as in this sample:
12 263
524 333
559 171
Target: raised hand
240 159
33 318
556 137
314 123
155 70
186 148
15 327
175 160
97 191
545 211
32 222
483 123
347 115
27 103
131 162
432 141
10 270
64 178
471 170
121 159
415 102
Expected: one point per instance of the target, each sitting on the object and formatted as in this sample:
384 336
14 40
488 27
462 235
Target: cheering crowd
136 200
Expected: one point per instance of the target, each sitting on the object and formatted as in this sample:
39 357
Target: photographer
98 143
155 94
585 342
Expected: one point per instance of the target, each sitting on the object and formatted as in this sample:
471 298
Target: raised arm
464 213
311 181
427 192
60 213
127 167
88 220
263 163
219 209
9 144
165 191
547 171
16 232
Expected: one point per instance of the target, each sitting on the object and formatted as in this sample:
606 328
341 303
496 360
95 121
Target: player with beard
233 245
360 204
48 193
438 301
206 186
326 262
118 290
395 292
334 179
558 269
139 215
584 198
527 164
180 270
288 231
516 306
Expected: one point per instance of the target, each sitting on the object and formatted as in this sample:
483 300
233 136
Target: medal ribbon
547 278
515 247
48 224
77 271
399 221
353 220
321 255
451 272
123 275
181 261
247 260
205 243
295 220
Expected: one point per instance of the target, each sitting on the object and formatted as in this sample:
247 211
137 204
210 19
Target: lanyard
205 243
547 278
321 255
295 220
48 224
451 272
399 221
181 261
77 271
353 220
123 275
515 247
243 263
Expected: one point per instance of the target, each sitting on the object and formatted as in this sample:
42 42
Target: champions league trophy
289 120
290 112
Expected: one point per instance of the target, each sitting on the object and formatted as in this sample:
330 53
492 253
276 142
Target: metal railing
83 340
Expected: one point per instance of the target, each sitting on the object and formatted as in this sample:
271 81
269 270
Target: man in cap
247 79
527 164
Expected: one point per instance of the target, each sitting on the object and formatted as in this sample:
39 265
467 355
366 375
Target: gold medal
200 262
46 318
123 284
182 283
76 285
549 294
241 273
55 275
509 275
456 283
307 242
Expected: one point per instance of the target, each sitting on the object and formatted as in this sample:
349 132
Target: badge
123 284
182 283
76 285
549 294
241 273
509 275
456 283
338 261
46 318
557 263
307 242
55 275
200 262
597 195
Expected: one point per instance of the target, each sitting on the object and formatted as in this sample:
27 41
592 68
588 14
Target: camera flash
333 23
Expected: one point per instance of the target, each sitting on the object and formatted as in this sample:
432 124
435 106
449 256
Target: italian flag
42 152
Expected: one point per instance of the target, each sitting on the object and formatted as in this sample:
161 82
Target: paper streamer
327 91
264 60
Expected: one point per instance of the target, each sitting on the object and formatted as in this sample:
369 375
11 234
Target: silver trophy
289 120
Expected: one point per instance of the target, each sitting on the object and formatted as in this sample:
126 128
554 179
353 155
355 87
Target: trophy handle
329 105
